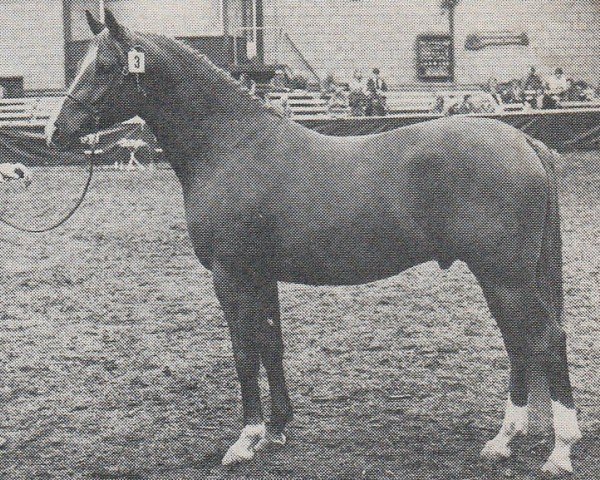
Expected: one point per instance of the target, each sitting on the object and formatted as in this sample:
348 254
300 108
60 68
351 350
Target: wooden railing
26 111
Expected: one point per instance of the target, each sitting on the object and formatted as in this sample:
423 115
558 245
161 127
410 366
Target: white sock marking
514 423
566 434
243 449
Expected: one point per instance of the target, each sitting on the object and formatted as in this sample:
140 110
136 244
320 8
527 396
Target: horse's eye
103 68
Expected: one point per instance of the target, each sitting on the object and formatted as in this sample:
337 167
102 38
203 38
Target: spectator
248 83
338 102
376 88
516 92
556 83
492 88
280 81
533 82
465 106
573 93
328 85
357 99
298 82
535 100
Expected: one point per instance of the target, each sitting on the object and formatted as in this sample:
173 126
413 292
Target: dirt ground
115 362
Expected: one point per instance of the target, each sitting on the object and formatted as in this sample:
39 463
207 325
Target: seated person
248 83
328 85
280 81
536 100
338 102
357 98
573 93
492 88
515 93
462 107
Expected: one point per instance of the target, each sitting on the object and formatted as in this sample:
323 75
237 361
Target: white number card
137 61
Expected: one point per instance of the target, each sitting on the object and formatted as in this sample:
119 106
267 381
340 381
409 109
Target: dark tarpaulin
563 130
27 144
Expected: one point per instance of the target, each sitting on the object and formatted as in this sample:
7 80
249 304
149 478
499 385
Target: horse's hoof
493 451
237 454
243 449
552 469
270 441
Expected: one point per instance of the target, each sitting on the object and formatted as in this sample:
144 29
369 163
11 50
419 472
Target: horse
267 200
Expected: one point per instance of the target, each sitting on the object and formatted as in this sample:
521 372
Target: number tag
137 61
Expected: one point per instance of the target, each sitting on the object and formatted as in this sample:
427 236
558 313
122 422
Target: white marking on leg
566 434
243 450
515 423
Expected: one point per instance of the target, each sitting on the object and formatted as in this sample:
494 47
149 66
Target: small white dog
15 171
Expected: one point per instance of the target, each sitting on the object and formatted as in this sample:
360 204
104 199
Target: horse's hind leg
506 307
523 315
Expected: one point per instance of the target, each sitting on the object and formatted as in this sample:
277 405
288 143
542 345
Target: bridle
91 108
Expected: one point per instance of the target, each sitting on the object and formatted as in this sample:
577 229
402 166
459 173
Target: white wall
170 17
32 43
563 33
339 35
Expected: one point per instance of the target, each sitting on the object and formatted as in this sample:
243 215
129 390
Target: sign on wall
434 57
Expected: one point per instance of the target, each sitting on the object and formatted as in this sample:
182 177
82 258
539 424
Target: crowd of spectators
367 96
538 93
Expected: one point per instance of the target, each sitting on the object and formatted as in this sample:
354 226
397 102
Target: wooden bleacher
579 104
26 111
300 104
404 102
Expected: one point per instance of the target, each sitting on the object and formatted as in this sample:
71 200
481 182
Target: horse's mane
214 73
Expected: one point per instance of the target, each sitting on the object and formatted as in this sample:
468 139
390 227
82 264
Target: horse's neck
195 131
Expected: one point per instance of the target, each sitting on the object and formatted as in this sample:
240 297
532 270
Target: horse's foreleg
271 352
242 307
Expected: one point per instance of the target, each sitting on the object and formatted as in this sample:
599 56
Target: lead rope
75 207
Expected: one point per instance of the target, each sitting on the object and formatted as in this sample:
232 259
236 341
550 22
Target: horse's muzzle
59 139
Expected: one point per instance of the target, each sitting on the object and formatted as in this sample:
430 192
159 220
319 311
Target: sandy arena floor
115 363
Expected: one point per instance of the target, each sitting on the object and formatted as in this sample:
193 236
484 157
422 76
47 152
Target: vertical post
259 24
451 31
101 7
224 18
67 35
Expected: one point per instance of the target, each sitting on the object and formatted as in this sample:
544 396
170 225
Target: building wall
562 33
339 35
32 42
170 17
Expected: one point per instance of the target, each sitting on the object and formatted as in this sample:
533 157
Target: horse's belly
348 259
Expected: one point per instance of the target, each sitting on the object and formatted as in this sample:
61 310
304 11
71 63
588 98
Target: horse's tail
549 269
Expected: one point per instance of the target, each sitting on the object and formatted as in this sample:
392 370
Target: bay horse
268 200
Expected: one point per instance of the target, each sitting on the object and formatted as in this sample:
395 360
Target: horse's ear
116 30
95 26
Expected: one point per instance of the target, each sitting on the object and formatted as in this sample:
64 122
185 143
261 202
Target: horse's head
104 92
